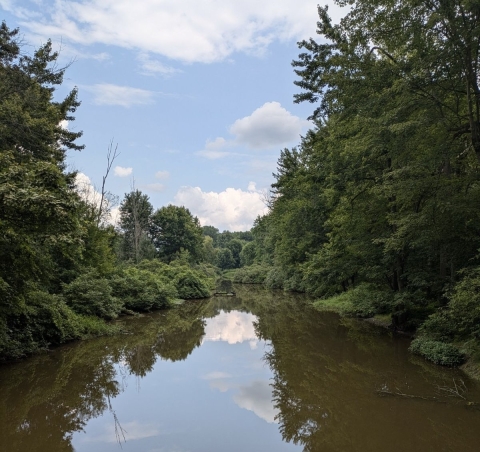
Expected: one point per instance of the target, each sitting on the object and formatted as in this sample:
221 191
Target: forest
376 211
374 214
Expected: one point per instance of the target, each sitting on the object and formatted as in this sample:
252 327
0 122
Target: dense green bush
460 319
190 285
189 282
142 290
437 352
275 278
254 274
364 301
92 296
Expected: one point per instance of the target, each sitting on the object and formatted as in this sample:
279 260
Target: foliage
135 214
248 254
437 352
142 290
376 210
209 252
364 300
174 228
91 295
225 259
190 285
253 274
235 246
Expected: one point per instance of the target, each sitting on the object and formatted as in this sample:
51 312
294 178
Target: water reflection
233 327
257 397
238 373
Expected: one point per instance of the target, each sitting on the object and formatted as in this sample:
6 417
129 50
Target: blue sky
198 94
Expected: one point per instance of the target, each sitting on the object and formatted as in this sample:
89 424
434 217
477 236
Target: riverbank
342 305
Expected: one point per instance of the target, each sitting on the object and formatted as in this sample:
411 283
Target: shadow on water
329 376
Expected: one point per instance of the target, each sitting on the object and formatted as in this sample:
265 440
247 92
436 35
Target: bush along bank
83 307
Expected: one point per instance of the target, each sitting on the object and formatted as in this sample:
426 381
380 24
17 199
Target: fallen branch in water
398 393
455 391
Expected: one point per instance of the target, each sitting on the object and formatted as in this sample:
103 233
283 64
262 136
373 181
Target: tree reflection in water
49 397
325 373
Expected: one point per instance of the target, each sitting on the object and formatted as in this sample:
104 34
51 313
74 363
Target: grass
341 304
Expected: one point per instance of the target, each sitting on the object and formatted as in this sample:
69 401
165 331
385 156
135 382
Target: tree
248 254
30 120
135 213
235 246
209 252
212 232
225 259
174 228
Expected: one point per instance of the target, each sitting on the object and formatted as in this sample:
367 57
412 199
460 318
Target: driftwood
458 390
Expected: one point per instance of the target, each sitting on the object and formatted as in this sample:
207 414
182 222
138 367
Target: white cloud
151 66
162 174
189 31
213 149
89 193
216 144
257 397
268 126
122 172
232 209
124 96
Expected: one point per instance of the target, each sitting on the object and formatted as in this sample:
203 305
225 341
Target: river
262 371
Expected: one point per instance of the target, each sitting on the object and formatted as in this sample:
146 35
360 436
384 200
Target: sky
197 94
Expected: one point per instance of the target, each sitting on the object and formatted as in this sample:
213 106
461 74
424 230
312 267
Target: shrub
460 319
254 274
190 285
437 352
92 296
142 290
365 300
48 320
275 278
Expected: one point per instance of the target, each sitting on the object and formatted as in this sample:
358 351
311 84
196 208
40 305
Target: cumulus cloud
232 209
189 31
268 126
124 96
120 171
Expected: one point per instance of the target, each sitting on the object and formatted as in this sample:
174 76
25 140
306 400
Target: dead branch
112 154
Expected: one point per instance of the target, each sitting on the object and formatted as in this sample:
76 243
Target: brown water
259 372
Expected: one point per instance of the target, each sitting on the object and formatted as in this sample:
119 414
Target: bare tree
112 154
